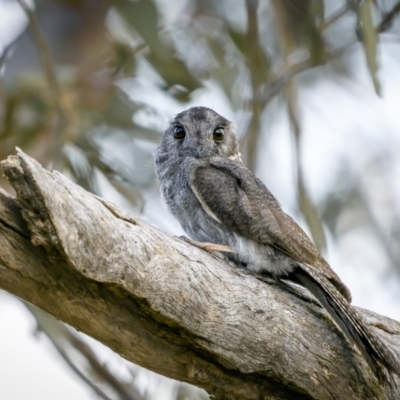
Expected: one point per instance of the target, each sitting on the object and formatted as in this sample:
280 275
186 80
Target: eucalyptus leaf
369 40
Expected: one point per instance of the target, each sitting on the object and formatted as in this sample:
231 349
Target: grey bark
168 306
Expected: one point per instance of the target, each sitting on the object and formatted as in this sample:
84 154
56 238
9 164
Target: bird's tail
375 352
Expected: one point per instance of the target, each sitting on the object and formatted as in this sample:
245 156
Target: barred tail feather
375 352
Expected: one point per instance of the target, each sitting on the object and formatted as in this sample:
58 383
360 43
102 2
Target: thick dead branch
167 305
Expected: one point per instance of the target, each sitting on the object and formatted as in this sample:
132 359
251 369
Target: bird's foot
212 248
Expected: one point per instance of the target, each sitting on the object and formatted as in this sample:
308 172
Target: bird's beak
190 151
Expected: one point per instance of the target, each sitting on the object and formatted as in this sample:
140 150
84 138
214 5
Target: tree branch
167 305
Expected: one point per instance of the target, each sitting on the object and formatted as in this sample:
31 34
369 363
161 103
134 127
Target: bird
222 206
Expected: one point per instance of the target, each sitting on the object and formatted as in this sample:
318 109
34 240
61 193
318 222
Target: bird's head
200 132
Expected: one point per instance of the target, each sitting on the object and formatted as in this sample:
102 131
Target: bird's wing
237 199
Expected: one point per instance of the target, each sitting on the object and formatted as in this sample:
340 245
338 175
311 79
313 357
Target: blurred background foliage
87 88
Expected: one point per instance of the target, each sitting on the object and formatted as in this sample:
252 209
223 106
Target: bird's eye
179 132
219 134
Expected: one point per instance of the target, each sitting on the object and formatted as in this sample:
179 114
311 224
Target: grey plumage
217 199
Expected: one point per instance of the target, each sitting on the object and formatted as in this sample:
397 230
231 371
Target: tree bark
168 306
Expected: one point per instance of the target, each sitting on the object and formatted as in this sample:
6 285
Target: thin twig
257 73
387 20
44 50
277 82
333 18
8 48
306 205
